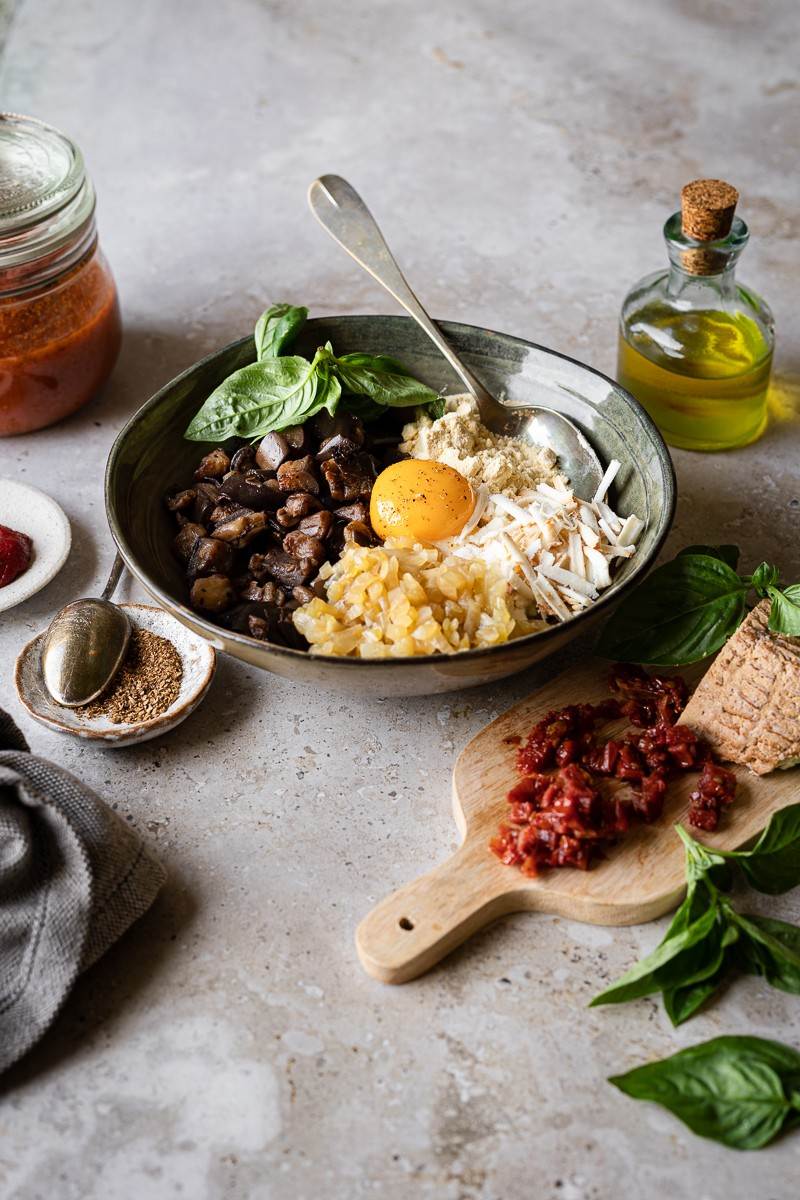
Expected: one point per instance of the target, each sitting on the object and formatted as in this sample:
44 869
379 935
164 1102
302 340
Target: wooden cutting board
641 879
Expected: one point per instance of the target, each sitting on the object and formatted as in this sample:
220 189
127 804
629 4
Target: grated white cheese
555 548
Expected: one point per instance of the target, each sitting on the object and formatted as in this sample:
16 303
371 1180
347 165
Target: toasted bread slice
747 705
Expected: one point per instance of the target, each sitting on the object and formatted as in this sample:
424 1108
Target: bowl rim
215 633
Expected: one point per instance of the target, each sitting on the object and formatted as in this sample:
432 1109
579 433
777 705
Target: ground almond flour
460 440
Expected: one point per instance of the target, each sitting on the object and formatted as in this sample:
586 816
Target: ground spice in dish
148 683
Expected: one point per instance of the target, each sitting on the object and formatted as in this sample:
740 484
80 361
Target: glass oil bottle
695 346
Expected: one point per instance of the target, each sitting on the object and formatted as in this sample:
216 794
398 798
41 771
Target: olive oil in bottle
695 347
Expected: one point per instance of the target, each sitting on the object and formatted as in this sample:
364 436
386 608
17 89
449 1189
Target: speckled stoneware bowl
198 660
150 458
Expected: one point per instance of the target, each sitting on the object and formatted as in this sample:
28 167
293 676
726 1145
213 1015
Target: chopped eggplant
302 546
296 475
210 556
241 528
288 570
243 459
252 491
215 464
318 524
273 450
212 593
181 500
184 543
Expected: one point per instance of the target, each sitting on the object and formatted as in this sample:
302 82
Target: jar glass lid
46 199
40 171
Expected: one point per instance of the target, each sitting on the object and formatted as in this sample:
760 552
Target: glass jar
60 328
695 346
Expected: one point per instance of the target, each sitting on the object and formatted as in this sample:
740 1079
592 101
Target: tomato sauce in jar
60 326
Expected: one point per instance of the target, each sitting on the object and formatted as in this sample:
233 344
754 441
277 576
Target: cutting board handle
409 931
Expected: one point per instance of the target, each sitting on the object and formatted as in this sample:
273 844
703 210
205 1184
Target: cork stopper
707 209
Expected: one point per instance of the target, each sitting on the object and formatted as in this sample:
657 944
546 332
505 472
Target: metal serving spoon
85 645
341 211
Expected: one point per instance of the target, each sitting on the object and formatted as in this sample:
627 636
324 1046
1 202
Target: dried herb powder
148 682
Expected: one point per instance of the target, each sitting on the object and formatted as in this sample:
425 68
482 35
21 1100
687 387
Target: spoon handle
117 568
344 215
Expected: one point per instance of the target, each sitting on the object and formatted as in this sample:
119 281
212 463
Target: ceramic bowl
199 662
150 457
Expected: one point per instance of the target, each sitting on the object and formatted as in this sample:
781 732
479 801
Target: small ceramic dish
29 510
199 663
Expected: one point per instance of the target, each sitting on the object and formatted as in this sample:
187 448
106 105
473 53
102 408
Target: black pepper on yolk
426 501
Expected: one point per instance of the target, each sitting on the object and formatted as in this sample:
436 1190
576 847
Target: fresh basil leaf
727 553
377 377
764 577
669 964
364 408
771 948
276 327
730 1089
250 401
684 611
784 613
711 965
436 408
773 864
376 362
703 863
682 1002
328 395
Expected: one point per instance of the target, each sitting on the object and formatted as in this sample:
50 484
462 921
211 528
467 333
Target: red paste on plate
16 551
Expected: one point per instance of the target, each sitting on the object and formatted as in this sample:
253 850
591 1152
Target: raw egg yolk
426 501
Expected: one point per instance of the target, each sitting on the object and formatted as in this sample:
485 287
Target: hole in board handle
404 923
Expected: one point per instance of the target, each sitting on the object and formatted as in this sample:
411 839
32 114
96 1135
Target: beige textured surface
521 158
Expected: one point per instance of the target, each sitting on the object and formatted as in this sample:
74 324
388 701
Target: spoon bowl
84 646
344 215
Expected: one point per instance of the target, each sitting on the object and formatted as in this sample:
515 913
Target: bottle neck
703 270
683 284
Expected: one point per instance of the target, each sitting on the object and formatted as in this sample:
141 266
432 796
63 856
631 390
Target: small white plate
199 662
29 510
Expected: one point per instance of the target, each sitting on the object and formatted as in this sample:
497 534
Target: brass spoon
344 215
85 646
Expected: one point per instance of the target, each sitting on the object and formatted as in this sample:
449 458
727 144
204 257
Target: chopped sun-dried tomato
715 790
566 817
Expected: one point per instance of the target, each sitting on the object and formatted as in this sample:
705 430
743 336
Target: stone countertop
522 158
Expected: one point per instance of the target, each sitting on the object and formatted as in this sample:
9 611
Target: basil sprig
276 327
708 939
688 608
740 1091
275 392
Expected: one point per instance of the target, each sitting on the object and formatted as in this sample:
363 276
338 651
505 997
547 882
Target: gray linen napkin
73 877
